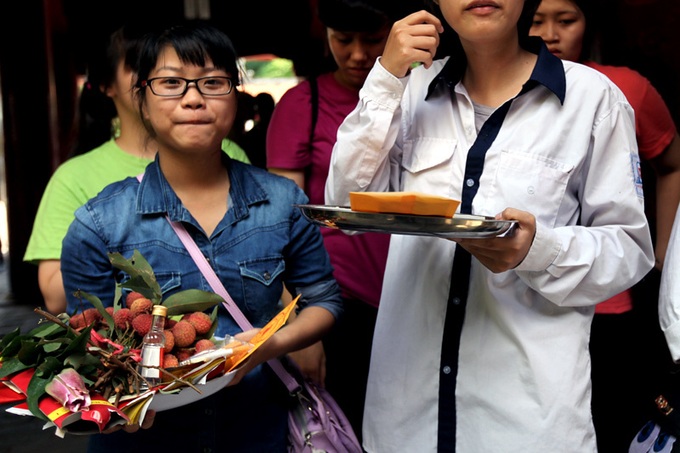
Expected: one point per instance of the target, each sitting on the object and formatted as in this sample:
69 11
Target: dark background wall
43 44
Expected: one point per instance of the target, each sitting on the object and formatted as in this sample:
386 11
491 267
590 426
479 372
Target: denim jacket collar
156 196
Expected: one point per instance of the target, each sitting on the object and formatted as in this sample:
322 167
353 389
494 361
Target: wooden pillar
34 124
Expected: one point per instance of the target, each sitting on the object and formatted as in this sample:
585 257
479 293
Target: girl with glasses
112 144
242 218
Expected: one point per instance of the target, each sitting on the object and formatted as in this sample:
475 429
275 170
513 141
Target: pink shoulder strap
217 286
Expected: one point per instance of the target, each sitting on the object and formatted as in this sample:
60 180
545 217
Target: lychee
122 318
170 361
201 322
183 354
141 305
169 340
77 321
91 315
109 310
131 297
204 345
185 333
142 323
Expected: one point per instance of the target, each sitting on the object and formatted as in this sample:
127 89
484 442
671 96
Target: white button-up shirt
565 152
669 292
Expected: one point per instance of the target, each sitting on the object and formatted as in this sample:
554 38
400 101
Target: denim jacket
262 242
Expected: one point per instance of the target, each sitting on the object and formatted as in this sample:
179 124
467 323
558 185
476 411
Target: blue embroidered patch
637 174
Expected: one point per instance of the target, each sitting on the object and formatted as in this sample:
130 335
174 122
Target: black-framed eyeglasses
178 86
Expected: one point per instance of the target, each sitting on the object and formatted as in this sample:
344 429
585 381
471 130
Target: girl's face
355 53
120 90
480 21
191 122
561 24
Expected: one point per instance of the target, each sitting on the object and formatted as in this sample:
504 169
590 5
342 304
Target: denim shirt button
267 276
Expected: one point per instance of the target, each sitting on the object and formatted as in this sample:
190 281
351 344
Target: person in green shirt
112 145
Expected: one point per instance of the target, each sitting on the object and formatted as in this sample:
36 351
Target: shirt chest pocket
169 281
428 166
532 183
261 280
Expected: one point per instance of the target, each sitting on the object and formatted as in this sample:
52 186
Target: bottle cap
161 310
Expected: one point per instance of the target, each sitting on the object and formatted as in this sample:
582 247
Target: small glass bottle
152 349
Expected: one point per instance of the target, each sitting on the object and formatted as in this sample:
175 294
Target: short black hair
358 15
195 43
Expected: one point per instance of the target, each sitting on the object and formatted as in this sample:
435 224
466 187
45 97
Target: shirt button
455 301
446 370
470 182
208 412
531 190
267 276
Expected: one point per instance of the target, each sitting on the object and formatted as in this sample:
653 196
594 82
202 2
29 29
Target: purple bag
316 424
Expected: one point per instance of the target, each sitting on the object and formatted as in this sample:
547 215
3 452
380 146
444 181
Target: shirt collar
549 72
155 196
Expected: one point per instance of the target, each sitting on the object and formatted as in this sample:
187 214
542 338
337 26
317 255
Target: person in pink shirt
623 327
300 139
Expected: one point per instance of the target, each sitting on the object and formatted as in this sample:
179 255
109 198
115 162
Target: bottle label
152 356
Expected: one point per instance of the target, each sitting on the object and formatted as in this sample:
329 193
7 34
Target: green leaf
11 366
36 387
118 302
10 344
213 318
29 352
142 278
191 300
49 367
84 363
46 329
51 347
140 285
7 339
79 343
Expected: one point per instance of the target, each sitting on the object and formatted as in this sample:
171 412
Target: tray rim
499 227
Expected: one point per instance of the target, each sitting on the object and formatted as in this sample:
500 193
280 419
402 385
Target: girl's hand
312 362
413 39
504 253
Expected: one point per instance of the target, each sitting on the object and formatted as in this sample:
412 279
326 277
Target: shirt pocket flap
169 281
264 270
424 153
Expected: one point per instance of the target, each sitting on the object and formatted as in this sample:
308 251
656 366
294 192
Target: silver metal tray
460 226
